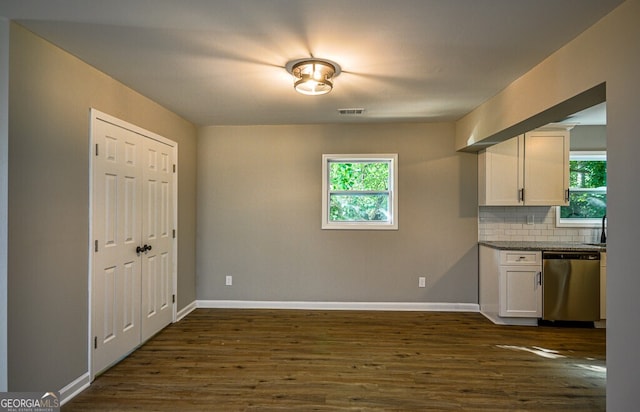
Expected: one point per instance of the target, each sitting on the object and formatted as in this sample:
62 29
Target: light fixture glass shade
313 76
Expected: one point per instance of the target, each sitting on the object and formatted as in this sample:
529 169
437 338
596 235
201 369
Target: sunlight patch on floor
594 368
545 353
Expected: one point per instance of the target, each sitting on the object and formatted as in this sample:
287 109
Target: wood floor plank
277 360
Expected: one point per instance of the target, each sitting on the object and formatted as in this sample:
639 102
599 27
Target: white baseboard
186 310
71 390
390 306
493 317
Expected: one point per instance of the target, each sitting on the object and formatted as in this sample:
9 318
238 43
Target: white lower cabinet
520 291
520 282
510 285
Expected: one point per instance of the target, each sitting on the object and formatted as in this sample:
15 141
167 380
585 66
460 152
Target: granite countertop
521 245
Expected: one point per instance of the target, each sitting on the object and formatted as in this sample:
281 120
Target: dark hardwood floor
284 360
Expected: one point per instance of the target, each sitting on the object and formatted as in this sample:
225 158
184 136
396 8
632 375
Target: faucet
603 236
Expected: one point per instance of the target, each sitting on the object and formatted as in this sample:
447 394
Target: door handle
142 249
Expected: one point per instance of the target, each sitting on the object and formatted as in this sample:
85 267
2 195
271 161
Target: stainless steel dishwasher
571 286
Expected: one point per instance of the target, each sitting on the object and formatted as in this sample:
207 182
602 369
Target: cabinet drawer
516 257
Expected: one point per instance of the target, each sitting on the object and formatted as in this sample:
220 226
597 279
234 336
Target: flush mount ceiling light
313 76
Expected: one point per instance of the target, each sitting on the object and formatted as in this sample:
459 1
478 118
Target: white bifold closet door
133 223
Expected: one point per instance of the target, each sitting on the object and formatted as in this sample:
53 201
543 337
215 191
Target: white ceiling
221 62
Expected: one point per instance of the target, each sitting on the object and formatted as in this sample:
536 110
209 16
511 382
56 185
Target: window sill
359 226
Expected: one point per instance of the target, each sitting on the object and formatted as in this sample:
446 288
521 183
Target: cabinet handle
521 195
566 199
539 278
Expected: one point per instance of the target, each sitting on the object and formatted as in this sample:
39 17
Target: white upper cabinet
530 169
546 168
501 173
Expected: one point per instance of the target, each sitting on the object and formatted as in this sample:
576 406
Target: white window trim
392 224
586 223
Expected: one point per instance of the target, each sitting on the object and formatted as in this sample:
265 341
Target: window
588 191
360 191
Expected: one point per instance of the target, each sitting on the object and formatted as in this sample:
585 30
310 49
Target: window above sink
588 191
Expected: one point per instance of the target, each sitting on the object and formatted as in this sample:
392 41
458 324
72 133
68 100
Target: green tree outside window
588 190
359 191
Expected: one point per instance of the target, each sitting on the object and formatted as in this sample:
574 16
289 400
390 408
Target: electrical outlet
422 282
530 219
228 281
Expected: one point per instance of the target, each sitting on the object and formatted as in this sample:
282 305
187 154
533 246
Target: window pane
359 191
588 194
587 173
359 208
585 205
359 176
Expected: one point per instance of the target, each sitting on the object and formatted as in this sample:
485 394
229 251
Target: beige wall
607 52
259 205
49 100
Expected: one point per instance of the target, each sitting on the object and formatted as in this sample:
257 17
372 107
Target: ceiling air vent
351 112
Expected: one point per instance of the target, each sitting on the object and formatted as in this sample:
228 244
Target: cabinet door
501 174
546 168
520 291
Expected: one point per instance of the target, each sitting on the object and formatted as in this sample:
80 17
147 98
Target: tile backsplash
528 223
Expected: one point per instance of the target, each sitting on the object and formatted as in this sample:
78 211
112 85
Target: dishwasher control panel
571 255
